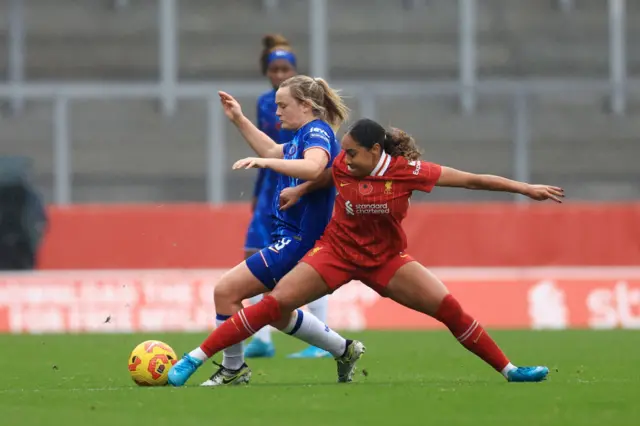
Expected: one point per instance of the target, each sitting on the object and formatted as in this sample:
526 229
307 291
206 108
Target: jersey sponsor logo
388 187
381 208
415 164
318 130
365 188
349 208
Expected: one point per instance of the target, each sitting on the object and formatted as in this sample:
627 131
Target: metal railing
367 94
169 89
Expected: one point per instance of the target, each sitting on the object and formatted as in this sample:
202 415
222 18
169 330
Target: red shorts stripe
337 271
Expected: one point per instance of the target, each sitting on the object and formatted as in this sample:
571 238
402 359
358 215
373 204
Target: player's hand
250 163
231 107
545 192
289 197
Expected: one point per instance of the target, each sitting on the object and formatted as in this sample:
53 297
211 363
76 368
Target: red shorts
337 271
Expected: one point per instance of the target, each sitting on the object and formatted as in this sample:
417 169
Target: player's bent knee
227 291
285 303
283 322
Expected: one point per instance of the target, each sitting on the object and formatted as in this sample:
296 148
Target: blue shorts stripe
263 259
298 322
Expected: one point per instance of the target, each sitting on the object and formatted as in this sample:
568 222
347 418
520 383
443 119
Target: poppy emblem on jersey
365 188
388 187
292 149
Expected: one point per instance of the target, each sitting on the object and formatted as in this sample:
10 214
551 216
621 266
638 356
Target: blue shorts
272 263
259 232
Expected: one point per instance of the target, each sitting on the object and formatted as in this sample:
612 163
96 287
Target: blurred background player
375 175
278 63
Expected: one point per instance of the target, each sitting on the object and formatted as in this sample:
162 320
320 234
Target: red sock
470 333
242 325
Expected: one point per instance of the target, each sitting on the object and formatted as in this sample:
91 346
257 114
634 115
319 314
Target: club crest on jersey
292 149
388 187
365 188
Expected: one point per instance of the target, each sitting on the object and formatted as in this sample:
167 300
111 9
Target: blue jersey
307 218
296 229
260 229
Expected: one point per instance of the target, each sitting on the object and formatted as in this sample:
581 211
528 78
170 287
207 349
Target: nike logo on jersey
344 184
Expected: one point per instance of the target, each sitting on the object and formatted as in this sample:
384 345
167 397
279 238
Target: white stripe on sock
469 332
245 323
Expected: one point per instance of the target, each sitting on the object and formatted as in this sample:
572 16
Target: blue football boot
528 374
311 352
183 369
258 348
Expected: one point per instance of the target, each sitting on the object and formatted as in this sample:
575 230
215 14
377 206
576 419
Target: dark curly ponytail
398 143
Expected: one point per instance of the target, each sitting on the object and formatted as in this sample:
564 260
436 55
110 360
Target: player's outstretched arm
290 196
459 179
309 168
259 141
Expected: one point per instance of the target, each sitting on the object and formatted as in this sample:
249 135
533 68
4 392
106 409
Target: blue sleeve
259 120
257 188
317 137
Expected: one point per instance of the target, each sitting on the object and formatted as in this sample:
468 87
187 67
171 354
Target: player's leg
328 271
270 267
235 285
238 284
415 287
258 237
319 309
261 345
235 330
303 284
299 287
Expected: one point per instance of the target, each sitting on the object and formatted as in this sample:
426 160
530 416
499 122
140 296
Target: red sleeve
338 162
425 174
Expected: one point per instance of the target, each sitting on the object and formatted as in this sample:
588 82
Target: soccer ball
150 362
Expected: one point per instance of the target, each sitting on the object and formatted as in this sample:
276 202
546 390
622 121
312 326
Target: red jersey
366 225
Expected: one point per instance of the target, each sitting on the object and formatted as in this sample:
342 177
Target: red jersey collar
383 165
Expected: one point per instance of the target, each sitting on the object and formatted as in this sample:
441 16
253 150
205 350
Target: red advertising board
181 300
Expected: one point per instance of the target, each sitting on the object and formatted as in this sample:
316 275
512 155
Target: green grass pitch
413 378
